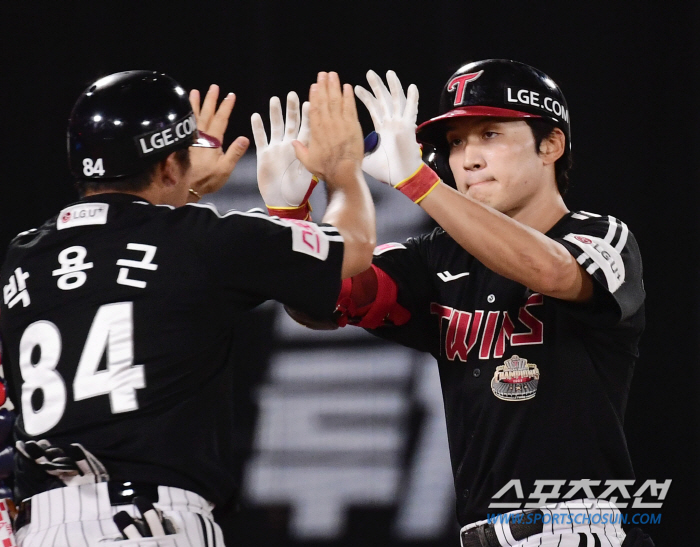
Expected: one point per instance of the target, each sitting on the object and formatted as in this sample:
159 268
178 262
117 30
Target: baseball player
533 312
116 314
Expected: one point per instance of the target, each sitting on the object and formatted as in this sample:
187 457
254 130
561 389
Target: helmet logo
460 84
533 98
163 138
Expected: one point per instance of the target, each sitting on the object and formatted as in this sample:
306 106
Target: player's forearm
351 211
507 247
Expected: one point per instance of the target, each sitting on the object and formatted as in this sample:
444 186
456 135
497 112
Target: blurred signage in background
346 421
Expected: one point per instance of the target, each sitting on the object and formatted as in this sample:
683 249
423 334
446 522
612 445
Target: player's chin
480 194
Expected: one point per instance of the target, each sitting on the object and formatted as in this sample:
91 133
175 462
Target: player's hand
283 180
397 155
211 167
73 465
335 141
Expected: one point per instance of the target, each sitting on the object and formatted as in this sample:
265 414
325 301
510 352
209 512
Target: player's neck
164 189
145 195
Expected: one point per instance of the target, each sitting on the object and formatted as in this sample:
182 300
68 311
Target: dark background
630 75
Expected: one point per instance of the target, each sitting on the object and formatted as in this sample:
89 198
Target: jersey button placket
476 372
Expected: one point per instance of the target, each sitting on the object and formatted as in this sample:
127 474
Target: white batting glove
284 183
398 155
396 159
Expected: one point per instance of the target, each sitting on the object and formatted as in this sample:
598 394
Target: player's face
494 161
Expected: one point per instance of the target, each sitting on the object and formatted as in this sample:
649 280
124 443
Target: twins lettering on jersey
464 330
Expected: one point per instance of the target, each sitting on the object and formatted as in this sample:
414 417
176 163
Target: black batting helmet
493 87
125 122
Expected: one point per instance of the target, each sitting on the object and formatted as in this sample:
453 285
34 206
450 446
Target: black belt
120 493
522 526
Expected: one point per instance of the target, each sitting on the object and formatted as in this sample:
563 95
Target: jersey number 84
111 332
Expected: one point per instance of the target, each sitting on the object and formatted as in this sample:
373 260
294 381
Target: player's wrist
419 184
291 211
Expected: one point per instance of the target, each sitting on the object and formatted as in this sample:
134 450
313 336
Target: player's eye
453 142
490 134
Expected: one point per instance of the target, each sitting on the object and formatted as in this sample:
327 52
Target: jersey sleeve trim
330 231
383 248
604 253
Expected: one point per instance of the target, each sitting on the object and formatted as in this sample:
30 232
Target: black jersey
534 388
116 323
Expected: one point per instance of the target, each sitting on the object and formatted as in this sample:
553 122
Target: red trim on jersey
382 308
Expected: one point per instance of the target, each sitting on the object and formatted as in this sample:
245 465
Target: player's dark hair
135 183
541 129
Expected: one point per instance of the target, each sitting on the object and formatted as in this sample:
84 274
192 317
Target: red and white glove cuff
300 212
423 181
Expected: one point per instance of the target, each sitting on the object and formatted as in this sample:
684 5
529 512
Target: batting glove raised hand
284 183
396 159
73 465
398 154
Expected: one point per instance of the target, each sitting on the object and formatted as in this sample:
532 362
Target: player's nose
473 159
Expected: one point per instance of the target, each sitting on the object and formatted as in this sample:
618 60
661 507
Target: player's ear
553 146
170 170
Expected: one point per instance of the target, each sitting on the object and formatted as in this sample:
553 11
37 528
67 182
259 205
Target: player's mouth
479 182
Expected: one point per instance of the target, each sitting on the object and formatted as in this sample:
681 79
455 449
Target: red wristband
419 184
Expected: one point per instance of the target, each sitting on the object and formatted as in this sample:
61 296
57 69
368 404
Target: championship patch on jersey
82 215
309 238
515 380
